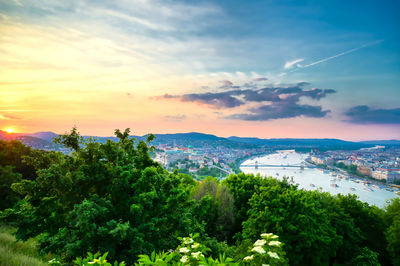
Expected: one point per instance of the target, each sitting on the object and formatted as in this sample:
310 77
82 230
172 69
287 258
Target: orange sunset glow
9 130
176 73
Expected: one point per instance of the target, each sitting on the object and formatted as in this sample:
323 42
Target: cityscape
199 133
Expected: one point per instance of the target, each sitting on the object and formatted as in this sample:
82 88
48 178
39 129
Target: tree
215 207
13 168
370 222
104 197
12 153
7 177
300 220
392 234
366 257
243 186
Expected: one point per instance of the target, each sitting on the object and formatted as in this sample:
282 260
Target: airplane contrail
340 54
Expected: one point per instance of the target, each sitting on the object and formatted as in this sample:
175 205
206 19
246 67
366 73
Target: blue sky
160 65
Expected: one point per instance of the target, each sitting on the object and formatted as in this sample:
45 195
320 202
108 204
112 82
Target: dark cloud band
363 114
275 102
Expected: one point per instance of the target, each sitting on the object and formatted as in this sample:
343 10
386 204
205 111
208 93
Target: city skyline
267 69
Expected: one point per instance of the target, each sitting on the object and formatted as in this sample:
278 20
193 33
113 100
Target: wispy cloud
341 54
226 84
8 117
174 118
290 64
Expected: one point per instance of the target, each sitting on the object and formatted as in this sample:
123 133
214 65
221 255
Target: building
364 170
388 174
322 160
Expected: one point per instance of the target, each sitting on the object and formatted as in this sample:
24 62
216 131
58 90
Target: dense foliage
112 197
12 169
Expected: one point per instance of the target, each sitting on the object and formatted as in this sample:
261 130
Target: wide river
313 178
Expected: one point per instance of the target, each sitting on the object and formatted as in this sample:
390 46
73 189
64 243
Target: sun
9 130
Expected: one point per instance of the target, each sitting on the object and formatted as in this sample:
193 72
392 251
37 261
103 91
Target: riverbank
353 174
317 178
239 161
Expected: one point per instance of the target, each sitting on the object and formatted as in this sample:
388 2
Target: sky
268 69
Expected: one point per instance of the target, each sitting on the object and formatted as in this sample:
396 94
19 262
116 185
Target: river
314 178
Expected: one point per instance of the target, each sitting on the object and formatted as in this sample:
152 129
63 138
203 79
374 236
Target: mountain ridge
198 138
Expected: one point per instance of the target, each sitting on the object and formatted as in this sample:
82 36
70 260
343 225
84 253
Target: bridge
278 165
221 169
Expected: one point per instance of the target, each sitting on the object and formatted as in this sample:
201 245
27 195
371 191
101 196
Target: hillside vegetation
13 252
112 198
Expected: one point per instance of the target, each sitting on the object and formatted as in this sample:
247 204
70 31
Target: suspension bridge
256 165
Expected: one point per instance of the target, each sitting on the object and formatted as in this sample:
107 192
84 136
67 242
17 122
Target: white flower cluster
258 249
184 250
187 240
54 261
248 258
188 251
264 246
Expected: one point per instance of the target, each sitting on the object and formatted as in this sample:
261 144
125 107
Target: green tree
215 207
300 220
7 177
104 197
366 257
12 153
392 234
13 168
243 186
370 222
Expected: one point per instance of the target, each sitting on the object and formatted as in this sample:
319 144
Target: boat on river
322 182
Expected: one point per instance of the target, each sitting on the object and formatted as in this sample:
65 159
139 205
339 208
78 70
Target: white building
389 175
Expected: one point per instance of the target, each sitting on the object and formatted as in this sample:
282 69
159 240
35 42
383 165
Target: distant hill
36 143
40 140
296 142
48 136
195 139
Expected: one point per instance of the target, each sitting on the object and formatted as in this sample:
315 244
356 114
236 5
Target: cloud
217 100
165 96
8 117
363 114
259 79
262 104
290 64
226 84
174 118
285 105
280 110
